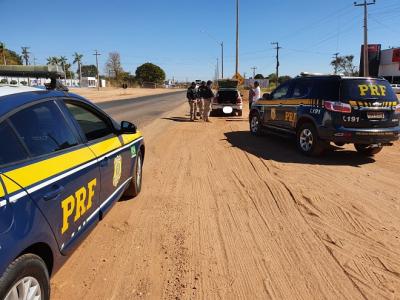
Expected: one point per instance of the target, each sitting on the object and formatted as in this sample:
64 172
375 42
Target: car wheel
308 141
255 125
135 185
26 278
367 150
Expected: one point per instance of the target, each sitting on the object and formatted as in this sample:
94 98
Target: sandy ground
225 215
107 94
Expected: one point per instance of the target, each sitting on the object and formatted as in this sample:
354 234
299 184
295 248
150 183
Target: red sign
396 55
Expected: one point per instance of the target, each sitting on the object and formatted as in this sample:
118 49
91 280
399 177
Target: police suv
319 109
63 164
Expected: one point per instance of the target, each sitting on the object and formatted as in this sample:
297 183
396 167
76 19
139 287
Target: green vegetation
89 71
345 65
8 57
149 72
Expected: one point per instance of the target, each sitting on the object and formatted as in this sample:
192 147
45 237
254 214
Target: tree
63 62
78 60
9 57
3 53
113 65
283 79
259 76
53 60
149 72
345 65
25 54
89 71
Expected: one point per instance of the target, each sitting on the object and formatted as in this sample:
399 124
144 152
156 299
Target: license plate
375 115
227 110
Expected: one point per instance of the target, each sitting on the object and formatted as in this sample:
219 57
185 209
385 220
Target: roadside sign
239 78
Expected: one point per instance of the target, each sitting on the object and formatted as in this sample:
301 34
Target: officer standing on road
208 96
200 104
191 95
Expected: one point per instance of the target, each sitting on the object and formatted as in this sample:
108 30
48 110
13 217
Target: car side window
43 129
93 125
302 89
14 151
281 92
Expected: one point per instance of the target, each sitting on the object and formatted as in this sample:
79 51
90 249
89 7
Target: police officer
191 95
208 96
200 103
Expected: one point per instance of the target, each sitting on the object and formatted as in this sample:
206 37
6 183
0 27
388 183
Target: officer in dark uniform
191 95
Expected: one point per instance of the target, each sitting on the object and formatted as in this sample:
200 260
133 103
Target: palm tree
25 54
78 59
63 61
3 52
53 60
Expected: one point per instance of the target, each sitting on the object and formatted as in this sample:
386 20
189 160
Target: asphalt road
143 110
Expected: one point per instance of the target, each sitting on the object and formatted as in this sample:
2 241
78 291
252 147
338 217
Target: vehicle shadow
280 149
178 119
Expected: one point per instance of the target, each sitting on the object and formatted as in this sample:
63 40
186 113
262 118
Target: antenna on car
52 72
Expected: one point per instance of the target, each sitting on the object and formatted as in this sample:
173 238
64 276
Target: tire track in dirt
225 215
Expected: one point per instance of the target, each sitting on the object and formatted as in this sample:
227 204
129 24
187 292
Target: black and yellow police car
63 164
319 109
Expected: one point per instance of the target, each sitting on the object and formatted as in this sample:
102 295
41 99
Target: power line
365 5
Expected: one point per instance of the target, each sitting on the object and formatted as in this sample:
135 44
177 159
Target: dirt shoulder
107 94
226 215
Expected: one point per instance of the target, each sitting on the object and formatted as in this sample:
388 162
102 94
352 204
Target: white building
390 65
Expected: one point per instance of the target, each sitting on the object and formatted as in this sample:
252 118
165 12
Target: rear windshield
367 89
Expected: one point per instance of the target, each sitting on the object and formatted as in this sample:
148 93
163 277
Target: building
389 66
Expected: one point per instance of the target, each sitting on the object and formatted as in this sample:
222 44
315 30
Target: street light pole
365 4
237 37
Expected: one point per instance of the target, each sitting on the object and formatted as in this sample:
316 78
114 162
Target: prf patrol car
321 109
63 164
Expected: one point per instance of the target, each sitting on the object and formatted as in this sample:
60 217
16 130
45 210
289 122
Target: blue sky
172 33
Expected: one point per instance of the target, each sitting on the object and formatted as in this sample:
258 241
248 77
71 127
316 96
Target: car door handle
57 190
104 162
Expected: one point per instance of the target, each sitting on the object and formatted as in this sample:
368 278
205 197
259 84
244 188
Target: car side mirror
266 96
128 127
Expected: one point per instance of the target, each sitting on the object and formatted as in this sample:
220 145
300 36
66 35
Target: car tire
255 124
308 141
367 150
27 274
135 185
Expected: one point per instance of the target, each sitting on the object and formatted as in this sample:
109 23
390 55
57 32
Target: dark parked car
319 109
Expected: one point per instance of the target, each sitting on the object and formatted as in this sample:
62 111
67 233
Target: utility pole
365 4
96 53
222 60
336 61
237 37
254 71
217 70
277 48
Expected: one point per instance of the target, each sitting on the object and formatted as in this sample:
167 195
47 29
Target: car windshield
367 89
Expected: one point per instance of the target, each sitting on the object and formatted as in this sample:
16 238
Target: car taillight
338 107
239 100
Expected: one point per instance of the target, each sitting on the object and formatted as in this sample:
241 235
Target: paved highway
143 110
